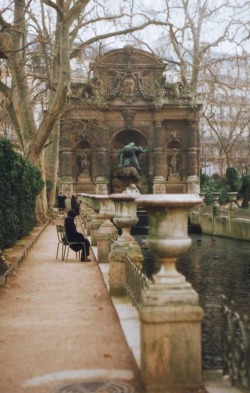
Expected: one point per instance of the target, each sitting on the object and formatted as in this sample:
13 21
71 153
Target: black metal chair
61 240
78 253
57 216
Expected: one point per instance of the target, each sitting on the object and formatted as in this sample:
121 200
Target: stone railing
169 312
230 221
242 213
236 345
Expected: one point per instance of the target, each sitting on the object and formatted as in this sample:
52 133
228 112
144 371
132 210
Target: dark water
215 267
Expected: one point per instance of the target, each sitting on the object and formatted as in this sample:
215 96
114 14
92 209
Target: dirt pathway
59 327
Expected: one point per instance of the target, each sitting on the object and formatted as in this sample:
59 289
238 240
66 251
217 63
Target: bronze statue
128 155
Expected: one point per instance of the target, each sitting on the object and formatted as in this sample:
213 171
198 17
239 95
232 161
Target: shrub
20 183
211 184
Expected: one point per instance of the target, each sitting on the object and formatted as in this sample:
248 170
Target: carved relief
128 115
128 85
84 163
128 89
174 162
172 92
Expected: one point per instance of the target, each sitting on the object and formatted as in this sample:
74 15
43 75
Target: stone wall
232 227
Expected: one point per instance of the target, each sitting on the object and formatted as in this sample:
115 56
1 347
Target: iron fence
236 345
136 281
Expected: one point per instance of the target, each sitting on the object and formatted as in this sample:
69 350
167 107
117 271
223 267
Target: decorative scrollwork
128 85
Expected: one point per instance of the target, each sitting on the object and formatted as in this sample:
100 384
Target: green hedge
20 184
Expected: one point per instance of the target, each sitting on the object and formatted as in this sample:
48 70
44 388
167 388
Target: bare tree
38 42
200 35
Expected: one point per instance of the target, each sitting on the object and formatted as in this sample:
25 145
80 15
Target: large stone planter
97 219
170 314
107 230
125 218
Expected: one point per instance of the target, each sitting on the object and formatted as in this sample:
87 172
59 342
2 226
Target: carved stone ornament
128 85
128 115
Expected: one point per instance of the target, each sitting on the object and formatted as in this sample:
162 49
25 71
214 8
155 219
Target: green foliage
233 182
20 183
223 185
212 184
245 191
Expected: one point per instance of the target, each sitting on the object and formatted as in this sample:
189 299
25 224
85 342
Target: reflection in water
216 266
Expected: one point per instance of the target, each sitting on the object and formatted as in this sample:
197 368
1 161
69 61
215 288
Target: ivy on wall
20 184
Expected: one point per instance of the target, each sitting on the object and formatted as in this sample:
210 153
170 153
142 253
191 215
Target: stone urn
125 218
97 219
232 200
168 231
107 232
125 214
170 314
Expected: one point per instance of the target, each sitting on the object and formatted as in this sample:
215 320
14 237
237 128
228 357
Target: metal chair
61 240
78 253
57 216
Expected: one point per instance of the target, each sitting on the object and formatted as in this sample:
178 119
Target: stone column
159 181
125 218
66 180
192 150
193 182
170 314
101 161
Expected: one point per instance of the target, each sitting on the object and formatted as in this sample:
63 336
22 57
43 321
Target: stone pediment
137 58
128 73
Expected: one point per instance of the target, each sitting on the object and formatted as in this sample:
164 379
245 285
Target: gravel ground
60 328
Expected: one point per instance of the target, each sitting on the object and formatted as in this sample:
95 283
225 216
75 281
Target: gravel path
59 327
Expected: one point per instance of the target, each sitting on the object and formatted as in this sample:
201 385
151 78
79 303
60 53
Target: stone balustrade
170 315
125 218
231 221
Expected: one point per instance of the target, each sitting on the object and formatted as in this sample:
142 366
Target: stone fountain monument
129 99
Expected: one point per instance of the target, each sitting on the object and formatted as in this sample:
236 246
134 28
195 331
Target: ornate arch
124 136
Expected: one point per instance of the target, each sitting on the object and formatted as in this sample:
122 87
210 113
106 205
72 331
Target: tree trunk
51 164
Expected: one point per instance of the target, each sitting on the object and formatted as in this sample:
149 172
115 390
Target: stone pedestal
107 230
84 214
66 186
159 185
101 185
170 313
90 217
85 184
233 207
193 185
97 220
125 218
